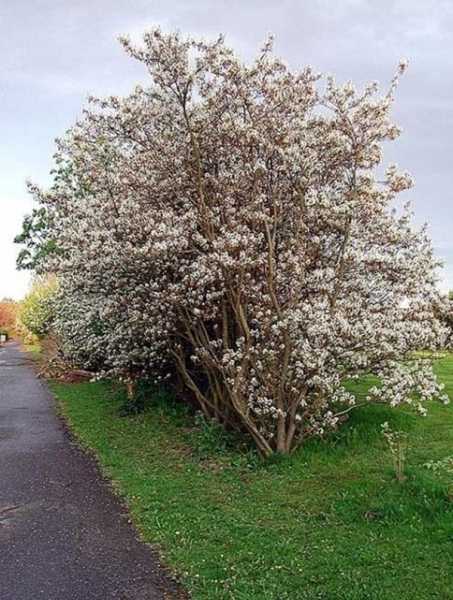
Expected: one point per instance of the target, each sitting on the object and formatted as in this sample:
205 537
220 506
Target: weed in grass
209 439
144 390
398 444
443 466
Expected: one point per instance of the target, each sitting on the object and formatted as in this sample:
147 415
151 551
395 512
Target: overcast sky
56 52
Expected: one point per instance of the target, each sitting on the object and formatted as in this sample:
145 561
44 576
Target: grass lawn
330 522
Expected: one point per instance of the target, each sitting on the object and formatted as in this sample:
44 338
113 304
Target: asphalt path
63 533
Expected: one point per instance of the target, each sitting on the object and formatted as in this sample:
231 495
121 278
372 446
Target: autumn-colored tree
37 310
8 315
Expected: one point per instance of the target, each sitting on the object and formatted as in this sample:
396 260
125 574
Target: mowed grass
330 522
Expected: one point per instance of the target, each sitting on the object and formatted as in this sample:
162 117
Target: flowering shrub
444 312
79 330
225 226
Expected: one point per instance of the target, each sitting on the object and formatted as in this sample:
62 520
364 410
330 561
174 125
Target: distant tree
8 315
37 310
